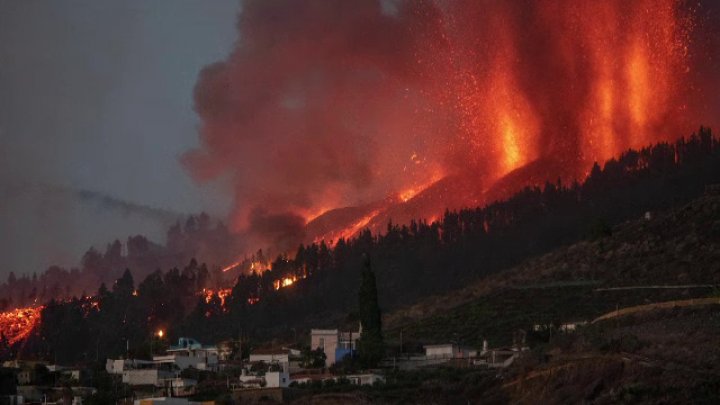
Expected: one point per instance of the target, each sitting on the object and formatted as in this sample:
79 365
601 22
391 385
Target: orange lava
350 231
473 89
17 324
407 194
230 266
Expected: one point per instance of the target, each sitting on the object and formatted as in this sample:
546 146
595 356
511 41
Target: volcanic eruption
400 109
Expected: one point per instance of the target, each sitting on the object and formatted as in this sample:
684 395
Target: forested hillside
411 261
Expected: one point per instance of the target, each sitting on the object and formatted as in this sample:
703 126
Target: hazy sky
97 95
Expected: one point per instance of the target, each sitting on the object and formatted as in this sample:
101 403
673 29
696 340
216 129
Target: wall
444 351
275 379
144 377
329 344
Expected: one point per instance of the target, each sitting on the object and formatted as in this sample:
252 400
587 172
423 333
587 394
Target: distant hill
44 225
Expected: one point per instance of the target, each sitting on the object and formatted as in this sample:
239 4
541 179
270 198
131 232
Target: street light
160 333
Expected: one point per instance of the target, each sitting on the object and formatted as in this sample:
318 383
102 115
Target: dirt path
658 305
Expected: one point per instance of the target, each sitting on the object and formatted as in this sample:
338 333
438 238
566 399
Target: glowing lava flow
230 267
332 237
479 89
17 324
407 194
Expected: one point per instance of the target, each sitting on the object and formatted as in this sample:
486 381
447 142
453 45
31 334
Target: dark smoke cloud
282 231
313 105
324 104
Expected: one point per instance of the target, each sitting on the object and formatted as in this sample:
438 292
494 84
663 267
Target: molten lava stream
17 324
332 237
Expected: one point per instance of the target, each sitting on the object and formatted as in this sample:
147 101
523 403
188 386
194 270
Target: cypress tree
370 345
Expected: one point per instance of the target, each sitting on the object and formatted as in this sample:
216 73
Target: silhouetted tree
370 344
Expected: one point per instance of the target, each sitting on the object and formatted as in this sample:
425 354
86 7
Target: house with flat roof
334 343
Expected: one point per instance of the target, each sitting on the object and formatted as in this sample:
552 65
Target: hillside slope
678 247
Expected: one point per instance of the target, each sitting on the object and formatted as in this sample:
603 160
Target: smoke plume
324 104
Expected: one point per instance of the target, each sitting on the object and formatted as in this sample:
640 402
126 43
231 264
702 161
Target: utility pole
240 348
401 341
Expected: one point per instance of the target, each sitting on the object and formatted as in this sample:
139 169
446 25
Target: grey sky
97 95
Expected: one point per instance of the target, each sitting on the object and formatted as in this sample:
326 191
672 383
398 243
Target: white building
334 343
183 362
327 340
150 376
118 366
365 379
190 353
276 379
448 351
277 364
270 356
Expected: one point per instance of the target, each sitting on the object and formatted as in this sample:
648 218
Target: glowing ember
230 267
258 267
286 281
222 294
17 324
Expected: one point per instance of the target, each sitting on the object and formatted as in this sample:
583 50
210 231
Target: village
179 374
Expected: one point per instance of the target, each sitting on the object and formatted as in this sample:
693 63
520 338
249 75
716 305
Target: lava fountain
324 105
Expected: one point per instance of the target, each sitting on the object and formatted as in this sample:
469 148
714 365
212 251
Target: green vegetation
313 358
496 316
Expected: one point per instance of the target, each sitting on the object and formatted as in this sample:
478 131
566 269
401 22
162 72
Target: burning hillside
17 324
328 104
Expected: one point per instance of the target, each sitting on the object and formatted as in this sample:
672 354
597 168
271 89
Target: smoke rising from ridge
324 104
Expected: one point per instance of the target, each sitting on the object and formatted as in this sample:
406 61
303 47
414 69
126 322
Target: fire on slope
542 91
472 88
18 323
221 294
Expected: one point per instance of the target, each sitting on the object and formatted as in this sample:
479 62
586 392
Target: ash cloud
324 104
313 105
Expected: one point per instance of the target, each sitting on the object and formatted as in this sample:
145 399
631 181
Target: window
321 343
